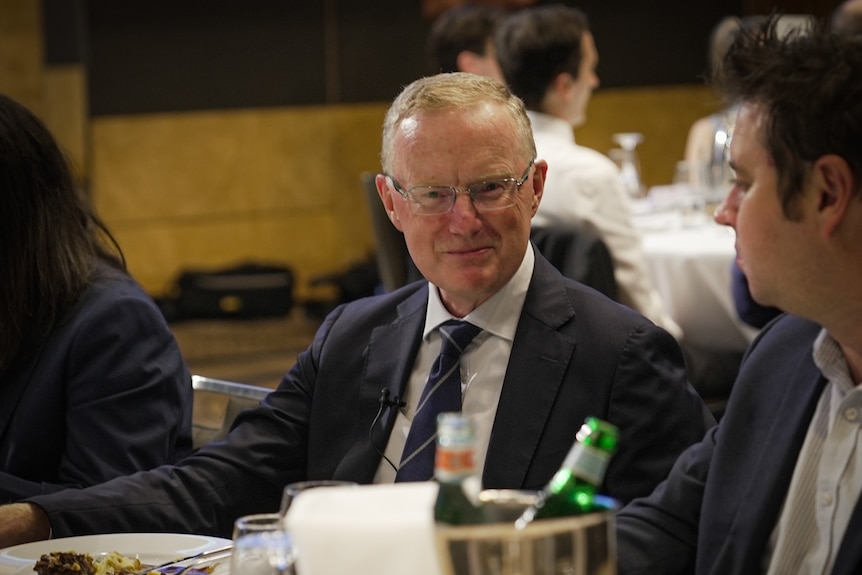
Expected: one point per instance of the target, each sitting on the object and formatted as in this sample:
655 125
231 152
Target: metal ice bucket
580 545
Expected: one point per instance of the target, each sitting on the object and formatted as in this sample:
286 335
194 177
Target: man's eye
432 194
487 188
739 185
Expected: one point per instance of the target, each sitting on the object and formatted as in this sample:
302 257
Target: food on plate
113 563
64 563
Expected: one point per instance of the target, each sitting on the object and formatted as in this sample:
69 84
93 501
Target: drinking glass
294 489
262 546
688 183
630 168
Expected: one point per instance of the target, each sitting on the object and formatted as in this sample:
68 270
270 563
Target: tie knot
456 336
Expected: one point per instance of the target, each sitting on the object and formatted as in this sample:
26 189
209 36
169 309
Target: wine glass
630 169
262 546
688 182
292 490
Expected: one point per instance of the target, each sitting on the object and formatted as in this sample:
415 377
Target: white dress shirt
583 184
827 479
483 364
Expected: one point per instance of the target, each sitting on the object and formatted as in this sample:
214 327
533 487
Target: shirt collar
551 125
831 361
499 314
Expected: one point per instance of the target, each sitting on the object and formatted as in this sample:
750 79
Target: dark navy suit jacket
717 510
108 394
575 353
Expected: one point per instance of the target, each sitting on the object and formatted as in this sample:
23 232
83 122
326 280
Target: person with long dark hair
92 381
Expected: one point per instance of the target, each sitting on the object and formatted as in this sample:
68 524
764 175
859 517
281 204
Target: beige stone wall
663 115
56 94
21 52
64 111
209 189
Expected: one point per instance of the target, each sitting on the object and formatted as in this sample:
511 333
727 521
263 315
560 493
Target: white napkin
380 529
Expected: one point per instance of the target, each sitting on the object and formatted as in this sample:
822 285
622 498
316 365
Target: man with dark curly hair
774 488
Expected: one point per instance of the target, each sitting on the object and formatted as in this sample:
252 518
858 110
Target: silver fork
209 555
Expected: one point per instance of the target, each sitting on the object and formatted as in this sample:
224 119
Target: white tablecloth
689 259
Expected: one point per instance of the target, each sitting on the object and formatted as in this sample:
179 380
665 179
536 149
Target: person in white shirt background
548 57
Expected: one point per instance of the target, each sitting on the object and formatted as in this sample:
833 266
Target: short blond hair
449 91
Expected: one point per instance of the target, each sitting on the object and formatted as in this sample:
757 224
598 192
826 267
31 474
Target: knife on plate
208 554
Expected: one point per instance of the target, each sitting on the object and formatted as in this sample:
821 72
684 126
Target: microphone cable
384 402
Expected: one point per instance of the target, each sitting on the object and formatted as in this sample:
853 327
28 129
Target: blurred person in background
748 310
847 18
708 140
775 487
462 40
92 382
709 137
549 58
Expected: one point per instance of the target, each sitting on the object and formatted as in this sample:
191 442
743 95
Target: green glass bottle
455 471
572 489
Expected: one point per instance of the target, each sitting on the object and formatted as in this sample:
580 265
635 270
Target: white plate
150 548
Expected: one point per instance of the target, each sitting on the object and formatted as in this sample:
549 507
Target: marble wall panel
207 189
21 52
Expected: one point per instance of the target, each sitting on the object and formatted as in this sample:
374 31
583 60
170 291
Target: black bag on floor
246 291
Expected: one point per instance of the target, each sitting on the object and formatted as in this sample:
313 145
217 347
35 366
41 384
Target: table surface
689 258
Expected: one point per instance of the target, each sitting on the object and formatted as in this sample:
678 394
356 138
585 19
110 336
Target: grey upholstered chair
393 261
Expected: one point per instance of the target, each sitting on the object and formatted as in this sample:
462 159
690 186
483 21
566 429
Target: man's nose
725 213
464 211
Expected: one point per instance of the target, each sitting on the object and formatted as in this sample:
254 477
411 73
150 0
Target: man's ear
835 188
383 190
557 95
562 83
540 172
468 61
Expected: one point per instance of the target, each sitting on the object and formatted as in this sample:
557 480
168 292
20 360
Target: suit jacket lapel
390 354
539 354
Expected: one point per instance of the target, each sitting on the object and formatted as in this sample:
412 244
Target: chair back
217 402
393 260
579 253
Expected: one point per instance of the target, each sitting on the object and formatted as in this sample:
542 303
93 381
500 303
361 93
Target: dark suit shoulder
787 330
369 312
599 314
109 290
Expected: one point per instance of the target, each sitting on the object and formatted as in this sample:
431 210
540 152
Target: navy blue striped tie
442 393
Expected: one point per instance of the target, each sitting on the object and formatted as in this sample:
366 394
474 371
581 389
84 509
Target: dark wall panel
381 48
653 43
62 25
147 56
167 55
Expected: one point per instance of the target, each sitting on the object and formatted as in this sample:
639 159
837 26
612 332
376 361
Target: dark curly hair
809 83
51 241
